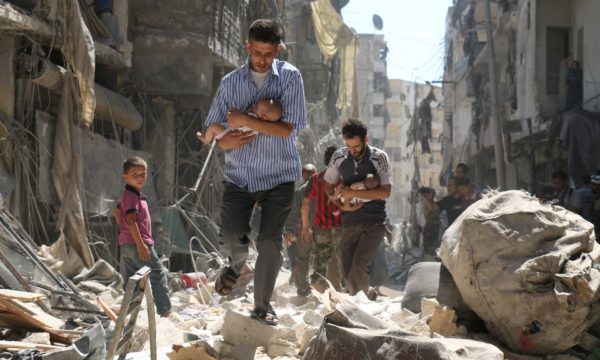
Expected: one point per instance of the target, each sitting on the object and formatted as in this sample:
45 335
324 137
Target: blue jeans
131 263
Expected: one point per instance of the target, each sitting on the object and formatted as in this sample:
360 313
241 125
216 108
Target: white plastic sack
526 269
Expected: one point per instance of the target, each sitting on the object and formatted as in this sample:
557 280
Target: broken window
378 110
379 80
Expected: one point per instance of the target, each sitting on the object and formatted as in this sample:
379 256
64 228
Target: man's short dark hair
462 181
354 127
329 153
463 166
426 190
266 30
132 162
560 174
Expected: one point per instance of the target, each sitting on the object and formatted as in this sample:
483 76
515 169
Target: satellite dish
377 22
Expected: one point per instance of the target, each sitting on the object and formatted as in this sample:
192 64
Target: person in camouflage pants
293 226
323 239
325 260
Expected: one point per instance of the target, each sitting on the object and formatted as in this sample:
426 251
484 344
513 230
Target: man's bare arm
380 193
235 139
305 212
236 119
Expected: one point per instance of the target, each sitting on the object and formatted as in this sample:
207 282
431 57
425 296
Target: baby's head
371 181
268 109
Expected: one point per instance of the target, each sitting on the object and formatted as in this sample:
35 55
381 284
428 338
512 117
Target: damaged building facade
535 44
85 84
372 72
142 79
413 141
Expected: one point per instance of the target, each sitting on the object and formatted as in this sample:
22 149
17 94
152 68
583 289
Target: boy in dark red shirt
135 234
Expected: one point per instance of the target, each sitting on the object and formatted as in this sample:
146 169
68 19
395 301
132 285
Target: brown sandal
267 317
225 282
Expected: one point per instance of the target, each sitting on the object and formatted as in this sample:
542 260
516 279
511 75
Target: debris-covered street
299 179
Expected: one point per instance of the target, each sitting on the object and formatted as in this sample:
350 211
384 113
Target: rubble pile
45 313
528 270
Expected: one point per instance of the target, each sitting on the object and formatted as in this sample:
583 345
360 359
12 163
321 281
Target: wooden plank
11 320
151 318
21 295
107 310
33 315
19 345
112 350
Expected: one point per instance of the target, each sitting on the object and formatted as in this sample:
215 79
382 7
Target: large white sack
517 262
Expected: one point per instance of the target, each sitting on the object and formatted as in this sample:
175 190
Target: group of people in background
442 213
342 219
583 199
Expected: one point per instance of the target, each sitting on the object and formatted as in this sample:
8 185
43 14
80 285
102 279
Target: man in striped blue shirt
259 168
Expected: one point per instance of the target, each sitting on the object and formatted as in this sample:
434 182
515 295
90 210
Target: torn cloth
334 36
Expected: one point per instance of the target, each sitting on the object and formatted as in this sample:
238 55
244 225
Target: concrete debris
261 354
428 307
197 350
304 334
443 322
241 331
349 333
38 338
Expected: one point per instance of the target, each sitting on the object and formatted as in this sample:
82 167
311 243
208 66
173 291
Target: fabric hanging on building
67 174
79 51
76 107
334 36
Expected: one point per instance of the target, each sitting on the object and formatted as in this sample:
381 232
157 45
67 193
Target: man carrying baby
261 168
265 109
364 222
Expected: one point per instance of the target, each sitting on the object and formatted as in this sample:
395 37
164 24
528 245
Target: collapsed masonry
541 255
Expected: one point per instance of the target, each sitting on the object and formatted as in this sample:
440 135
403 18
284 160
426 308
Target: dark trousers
236 212
130 263
357 251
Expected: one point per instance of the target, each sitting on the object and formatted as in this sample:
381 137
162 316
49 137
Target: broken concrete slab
343 335
304 334
282 348
245 333
312 318
261 354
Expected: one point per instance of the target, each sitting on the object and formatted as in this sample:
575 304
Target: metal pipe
496 121
110 106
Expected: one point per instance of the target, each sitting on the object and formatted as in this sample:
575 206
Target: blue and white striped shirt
267 161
